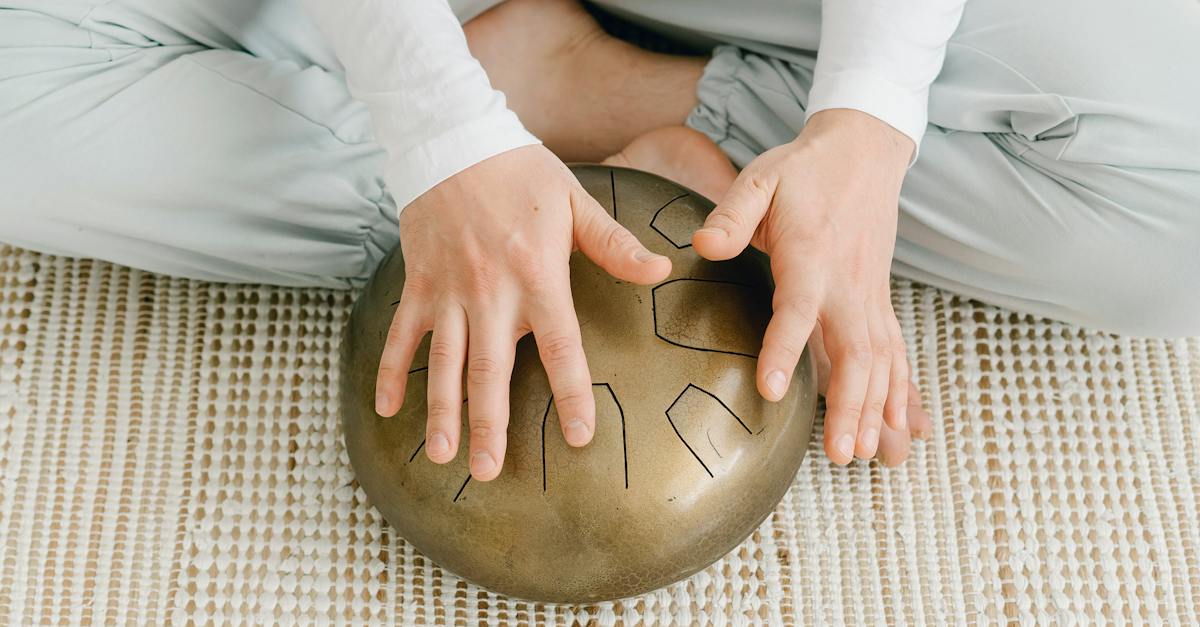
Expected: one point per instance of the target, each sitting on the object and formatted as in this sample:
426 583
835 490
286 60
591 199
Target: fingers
793 316
405 334
894 446
489 369
730 226
560 347
612 247
895 413
816 344
849 343
447 350
871 420
919 422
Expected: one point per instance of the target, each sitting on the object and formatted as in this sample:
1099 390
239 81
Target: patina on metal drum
687 459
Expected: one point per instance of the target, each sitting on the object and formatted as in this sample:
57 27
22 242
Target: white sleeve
880 56
434 111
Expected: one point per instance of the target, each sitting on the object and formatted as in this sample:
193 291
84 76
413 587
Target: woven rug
170 453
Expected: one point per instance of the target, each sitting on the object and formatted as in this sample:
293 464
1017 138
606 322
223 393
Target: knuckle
397 328
850 407
443 353
482 431
557 349
528 262
789 347
481 280
858 353
760 186
441 409
882 351
591 221
537 281
619 238
802 308
387 372
874 407
483 369
792 161
727 219
570 397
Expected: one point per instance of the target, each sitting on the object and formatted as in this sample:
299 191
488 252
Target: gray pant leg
212 139
1045 183
212 164
268 29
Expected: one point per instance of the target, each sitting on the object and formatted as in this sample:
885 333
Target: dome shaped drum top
687 458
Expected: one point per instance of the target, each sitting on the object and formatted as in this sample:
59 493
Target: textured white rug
170 452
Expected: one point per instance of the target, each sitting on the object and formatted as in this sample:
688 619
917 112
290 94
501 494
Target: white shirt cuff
900 107
410 174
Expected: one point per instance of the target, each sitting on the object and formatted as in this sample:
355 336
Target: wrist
874 139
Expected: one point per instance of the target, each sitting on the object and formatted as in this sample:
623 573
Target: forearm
434 111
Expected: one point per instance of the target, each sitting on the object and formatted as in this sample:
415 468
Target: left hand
824 208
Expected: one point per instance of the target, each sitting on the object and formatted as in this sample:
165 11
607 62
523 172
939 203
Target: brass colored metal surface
687 459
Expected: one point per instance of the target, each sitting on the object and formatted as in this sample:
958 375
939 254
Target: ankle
537 73
582 91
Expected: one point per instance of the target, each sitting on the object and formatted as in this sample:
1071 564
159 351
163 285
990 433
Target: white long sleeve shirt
880 57
434 110
436 113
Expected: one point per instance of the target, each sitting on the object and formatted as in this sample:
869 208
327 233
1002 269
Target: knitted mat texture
170 453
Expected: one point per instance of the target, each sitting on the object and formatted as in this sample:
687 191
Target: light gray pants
215 139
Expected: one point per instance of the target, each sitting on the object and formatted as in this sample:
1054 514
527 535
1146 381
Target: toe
618 159
683 155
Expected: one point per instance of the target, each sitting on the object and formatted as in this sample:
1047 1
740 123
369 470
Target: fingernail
437 444
645 256
845 445
777 383
577 433
903 418
870 442
482 463
712 231
383 402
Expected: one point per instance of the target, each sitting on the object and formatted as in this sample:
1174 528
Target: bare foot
683 155
584 93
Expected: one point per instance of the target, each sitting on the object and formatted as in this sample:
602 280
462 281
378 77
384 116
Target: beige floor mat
169 452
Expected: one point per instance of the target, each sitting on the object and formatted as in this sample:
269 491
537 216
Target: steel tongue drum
687 459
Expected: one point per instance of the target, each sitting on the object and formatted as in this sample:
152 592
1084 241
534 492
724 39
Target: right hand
825 207
486 260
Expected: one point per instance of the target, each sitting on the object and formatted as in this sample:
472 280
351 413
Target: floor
170 452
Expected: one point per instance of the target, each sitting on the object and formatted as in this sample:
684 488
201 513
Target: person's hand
824 208
486 260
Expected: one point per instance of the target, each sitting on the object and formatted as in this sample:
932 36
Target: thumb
729 227
612 246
